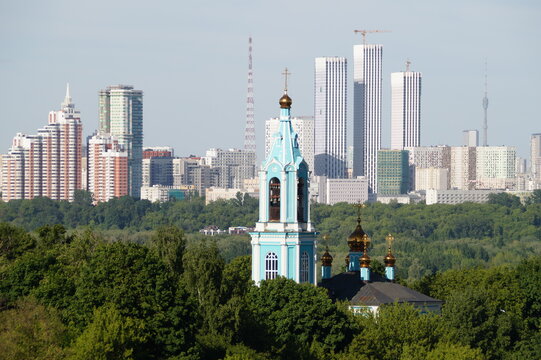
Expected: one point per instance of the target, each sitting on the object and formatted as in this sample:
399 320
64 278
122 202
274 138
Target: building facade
49 163
405 109
333 191
284 241
535 157
330 114
393 172
367 62
431 178
233 166
470 138
121 116
107 168
303 126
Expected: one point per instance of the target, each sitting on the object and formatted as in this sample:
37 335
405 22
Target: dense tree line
75 295
429 238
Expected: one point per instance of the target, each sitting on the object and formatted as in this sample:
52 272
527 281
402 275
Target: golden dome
365 260
389 259
285 101
355 240
326 259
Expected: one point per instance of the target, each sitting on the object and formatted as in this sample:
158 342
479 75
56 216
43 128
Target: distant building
535 157
393 172
458 196
233 166
431 178
160 193
158 151
330 113
470 138
333 191
191 171
121 116
49 163
405 109
107 168
157 171
463 168
303 126
367 66
495 167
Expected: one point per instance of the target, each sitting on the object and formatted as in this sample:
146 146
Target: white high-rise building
303 126
49 163
330 102
367 62
535 157
233 165
121 116
470 138
405 109
463 168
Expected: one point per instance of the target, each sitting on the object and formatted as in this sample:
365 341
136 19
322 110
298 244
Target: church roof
348 286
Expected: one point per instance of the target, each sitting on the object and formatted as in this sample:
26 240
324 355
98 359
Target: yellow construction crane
364 32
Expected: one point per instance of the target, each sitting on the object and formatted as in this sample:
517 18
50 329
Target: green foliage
296 315
110 336
31 331
14 241
169 243
504 199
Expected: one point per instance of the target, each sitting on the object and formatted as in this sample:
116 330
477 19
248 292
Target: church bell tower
284 241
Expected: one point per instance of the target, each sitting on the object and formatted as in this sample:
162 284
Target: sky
191 59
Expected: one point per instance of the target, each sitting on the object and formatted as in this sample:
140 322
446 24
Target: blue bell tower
284 241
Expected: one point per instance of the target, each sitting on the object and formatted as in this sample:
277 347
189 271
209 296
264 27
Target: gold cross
390 240
286 73
359 206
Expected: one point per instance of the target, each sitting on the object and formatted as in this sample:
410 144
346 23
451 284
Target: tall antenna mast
249 132
485 107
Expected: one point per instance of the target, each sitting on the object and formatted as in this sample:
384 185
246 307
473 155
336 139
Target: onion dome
355 240
285 101
365 260
326 259
389 259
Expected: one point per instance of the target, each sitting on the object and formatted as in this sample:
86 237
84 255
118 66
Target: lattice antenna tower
249 132
485 108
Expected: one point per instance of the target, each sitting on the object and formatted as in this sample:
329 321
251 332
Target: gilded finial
359 206
389 259
286 74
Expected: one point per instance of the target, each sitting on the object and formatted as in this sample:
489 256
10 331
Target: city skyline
175 63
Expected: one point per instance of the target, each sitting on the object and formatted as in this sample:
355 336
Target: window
305 266
271 266
274 194
300 200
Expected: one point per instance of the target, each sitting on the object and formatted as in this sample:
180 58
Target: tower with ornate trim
284 241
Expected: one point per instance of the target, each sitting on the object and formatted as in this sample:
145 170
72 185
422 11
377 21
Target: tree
31 331
504 199
169 243
110 336
294 316
14 241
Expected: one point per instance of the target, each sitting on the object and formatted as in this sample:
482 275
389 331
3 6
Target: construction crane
364 32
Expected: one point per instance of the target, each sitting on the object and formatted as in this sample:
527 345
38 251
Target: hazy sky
190 59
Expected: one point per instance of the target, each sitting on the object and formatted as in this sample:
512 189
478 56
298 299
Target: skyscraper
330 100
405 109
393 172
535 156
121 116
367 61
470 138
49 163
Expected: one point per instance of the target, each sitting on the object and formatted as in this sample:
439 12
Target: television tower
249 132
485 107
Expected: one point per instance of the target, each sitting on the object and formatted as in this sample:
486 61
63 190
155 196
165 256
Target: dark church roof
349 286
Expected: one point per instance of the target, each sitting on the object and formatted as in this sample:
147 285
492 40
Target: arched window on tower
305 267
271 266
300 200
274 199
